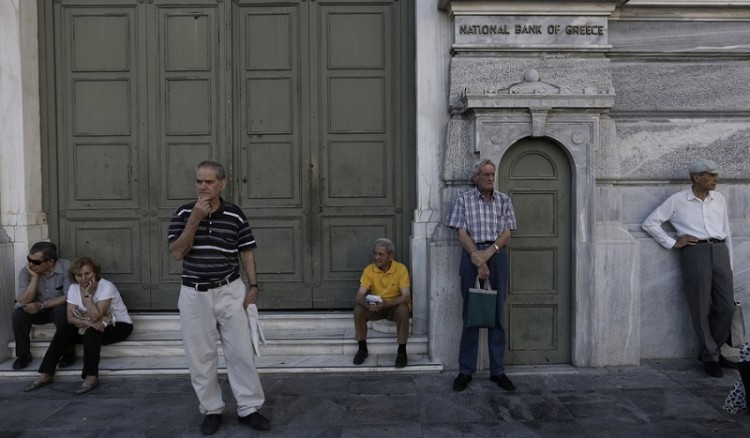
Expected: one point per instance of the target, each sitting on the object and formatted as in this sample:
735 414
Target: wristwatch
497 248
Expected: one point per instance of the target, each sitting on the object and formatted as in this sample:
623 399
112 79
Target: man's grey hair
478 165
221 174
390 248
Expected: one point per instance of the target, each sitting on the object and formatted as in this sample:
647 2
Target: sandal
38 384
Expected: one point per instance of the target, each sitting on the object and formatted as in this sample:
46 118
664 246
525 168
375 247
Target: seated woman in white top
97 316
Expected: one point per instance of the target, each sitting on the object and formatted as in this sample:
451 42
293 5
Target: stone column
432 37
21 214
7 286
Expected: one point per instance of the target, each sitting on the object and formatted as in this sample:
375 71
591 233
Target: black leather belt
712 240
203 287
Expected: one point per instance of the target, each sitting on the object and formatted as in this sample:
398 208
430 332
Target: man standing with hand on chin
211 237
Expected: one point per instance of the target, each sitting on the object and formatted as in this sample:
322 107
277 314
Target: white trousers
204 318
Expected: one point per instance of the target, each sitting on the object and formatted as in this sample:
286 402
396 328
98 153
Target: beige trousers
206 317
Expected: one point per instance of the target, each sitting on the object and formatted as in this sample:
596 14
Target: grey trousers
709 288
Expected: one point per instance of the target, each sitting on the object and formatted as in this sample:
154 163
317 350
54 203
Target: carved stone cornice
534 94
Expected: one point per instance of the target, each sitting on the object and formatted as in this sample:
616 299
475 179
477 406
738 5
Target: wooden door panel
280 243
101 161
270 173
536 175
117 246
273 146
346 248
269 131
534 327
187 83
359 171
538 212
533 269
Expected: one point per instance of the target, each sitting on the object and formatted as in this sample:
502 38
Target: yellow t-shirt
387 285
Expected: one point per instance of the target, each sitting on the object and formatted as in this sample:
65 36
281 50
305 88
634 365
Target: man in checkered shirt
484 218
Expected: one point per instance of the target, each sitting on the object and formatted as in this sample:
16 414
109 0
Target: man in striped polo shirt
212 237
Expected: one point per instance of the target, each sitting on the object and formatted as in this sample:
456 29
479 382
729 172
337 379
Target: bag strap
486 284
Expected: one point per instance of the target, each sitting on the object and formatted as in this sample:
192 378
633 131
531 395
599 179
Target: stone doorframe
571 118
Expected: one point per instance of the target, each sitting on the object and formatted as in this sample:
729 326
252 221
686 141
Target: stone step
270 321
277 344
279 364
295 342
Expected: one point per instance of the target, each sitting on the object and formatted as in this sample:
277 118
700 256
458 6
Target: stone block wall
682 85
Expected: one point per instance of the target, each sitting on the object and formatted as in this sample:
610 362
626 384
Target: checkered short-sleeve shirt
483 220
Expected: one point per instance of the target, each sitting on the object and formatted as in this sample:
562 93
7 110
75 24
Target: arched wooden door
535 173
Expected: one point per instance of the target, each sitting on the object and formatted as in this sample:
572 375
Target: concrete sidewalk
666 398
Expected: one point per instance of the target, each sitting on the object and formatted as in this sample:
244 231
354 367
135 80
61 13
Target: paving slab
665 398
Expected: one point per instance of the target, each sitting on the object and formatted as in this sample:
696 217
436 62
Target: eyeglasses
35 262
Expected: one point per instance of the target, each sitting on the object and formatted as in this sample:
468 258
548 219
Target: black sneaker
255 420
504 382
726 363
401 359
360 357
22 362
210 424
461 382
713 369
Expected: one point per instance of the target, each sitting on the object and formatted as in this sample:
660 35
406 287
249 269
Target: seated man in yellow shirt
384 292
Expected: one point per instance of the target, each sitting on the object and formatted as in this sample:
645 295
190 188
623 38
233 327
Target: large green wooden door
301 100
319 131
535 173
140 91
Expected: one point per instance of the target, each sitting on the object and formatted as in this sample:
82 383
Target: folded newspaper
256 331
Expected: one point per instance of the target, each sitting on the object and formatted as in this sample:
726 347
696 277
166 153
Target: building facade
343 121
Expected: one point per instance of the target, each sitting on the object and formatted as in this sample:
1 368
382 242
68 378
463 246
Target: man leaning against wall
699 216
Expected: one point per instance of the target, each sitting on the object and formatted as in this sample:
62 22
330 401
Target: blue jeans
467 354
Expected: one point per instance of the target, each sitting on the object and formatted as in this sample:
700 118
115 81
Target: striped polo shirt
218 241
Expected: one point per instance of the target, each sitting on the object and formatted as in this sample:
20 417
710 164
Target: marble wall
679 79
